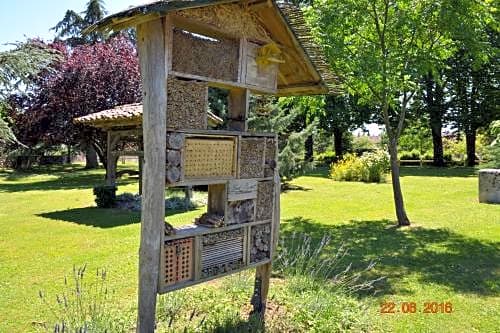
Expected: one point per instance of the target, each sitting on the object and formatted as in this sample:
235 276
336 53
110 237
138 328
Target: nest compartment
271 159
208 57
187 104
260 240
240 212
252 157
265 196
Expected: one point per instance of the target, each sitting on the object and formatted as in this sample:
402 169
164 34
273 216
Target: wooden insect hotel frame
247 47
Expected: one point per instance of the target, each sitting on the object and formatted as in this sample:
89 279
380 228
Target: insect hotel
185 47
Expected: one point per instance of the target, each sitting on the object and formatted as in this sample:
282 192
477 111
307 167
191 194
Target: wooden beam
110 159
151 46
238 105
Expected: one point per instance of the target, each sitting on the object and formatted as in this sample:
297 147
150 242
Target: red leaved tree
90 78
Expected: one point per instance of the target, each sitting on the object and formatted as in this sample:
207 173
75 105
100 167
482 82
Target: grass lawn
450 254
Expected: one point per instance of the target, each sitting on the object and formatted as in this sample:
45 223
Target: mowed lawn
48 224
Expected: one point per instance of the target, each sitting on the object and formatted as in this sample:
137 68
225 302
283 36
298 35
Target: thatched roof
124 116
305 70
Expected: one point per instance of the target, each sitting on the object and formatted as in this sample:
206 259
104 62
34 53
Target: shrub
105 196
326 158
362 144
413 155
370 168
493 150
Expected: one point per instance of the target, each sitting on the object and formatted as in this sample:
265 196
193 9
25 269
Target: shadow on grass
95 217
429 171
65 178
288 187
437 256
101 217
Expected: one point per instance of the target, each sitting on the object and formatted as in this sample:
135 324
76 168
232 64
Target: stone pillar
489 186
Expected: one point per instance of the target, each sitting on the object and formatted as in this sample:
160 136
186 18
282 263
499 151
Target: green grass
450 254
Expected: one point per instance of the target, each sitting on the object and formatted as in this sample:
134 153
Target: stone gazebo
124 124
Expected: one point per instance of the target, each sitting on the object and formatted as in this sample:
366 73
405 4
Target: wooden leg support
259 297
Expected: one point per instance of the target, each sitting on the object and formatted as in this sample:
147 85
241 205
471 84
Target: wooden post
238 104
111 159
151 46
141 163
263 273
141 167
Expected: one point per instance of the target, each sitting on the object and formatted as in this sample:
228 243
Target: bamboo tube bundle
222 252
252 157
207 57
187 104
265 192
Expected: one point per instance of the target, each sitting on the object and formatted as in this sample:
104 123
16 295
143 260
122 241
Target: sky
20 19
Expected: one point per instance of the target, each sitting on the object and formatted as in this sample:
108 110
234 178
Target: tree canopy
90 78
383 48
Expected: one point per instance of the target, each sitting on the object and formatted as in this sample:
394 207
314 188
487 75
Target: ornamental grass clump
83 305
371 167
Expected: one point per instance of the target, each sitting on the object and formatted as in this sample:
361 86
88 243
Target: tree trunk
337 142
309 146
396 185
434 95
470 143
437 142
69 153
91 161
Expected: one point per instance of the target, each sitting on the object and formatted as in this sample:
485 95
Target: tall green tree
435 108
342 114
382 48
474 97
18 68
282 116
70 29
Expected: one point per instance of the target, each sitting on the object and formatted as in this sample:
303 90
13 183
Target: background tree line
416 67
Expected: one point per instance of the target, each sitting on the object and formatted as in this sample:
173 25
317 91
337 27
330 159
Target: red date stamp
412 307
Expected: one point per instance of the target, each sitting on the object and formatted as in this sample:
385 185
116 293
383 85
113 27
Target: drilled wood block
207 158
178 259
252 157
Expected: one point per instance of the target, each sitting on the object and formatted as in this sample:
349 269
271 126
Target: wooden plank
262 77
193 230
117 153
151 46
221 133
191 283
238 104
199 28
242 70
261 289
217 195
225 84
241 189
111 159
